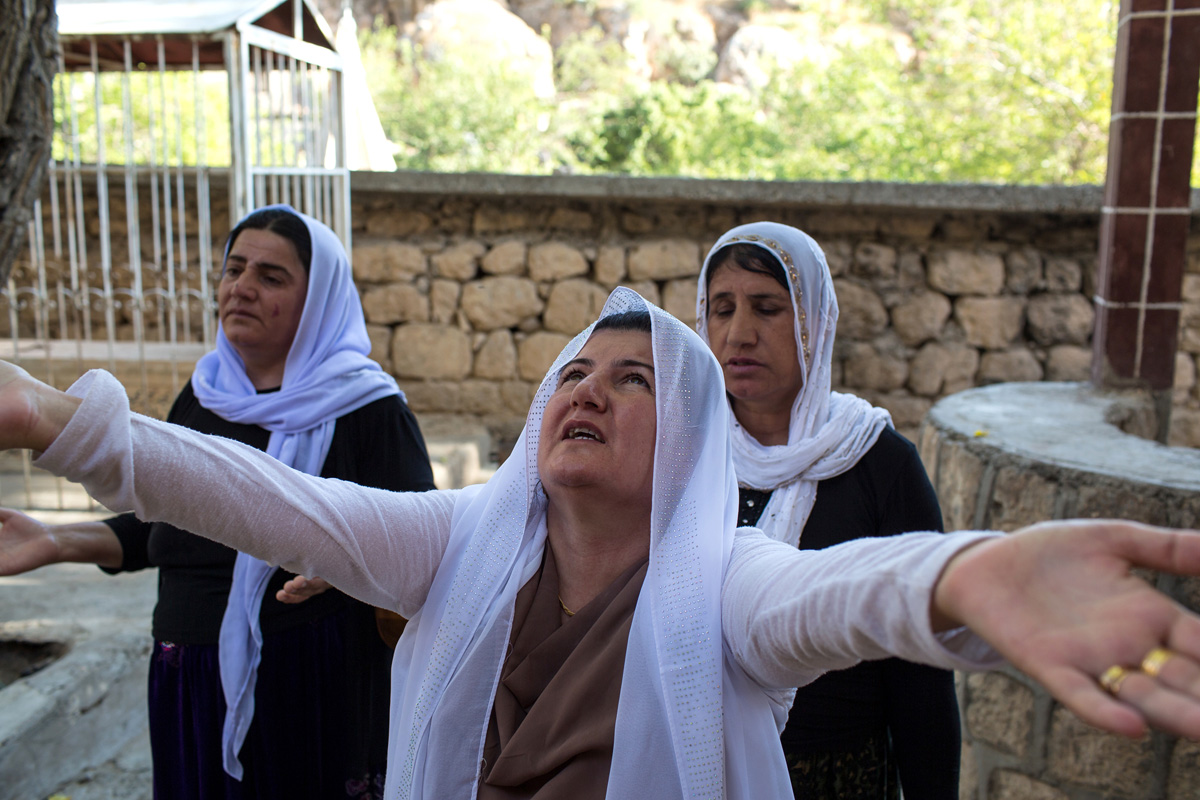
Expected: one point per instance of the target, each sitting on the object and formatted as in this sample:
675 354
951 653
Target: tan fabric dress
553 721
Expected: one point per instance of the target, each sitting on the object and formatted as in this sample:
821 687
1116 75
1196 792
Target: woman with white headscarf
609 537
252 694
816 468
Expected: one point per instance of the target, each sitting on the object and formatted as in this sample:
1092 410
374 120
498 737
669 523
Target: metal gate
172 122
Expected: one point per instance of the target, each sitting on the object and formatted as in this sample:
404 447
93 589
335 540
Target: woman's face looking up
751 331
599 425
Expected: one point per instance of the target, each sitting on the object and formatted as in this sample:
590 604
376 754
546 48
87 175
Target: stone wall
472 283
1006 456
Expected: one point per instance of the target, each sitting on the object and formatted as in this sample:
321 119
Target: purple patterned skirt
320 719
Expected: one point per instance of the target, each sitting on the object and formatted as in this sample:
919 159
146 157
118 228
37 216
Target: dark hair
749 257
282 222
625 321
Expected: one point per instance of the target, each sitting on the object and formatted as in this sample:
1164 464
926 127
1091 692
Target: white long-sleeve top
787 615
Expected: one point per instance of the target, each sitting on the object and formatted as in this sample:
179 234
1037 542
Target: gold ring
1153 663
1112 678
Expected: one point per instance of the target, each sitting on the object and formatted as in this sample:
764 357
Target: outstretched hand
32 414
1060 602
25 543
300 588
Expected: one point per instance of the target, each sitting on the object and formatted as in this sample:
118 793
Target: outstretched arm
1060 602
381 547
26 543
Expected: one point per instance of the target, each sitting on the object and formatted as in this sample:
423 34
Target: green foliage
456 112
164 109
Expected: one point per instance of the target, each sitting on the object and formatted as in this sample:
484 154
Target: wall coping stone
1065 424
822 194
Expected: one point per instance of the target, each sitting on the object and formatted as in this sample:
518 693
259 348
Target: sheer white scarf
829 431
690 723
327 375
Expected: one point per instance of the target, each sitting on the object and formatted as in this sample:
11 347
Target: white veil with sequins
683 701
830 431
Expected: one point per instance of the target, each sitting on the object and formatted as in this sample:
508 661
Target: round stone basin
19 659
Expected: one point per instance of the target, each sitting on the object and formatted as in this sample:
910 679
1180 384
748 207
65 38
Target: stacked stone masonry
468 296
1005 456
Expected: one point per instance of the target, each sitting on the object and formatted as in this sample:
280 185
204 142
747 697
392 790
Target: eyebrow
773 295
267 265
587 362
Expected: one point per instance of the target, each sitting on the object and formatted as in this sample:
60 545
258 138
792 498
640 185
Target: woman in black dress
816 468
290 375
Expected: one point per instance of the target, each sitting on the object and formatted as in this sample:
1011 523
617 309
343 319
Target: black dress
855 732
322 695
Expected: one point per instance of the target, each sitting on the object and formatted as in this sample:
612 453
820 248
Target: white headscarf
327 375
829 431
690 724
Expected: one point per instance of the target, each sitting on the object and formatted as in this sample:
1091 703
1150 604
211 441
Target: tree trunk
28 58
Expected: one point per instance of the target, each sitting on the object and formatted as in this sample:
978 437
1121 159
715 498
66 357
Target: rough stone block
664 260
921 318
956 272
939 369
875 262
492 219
573 305
1185 377
915 228
1000 712
382 261
679 299
537 352
497 356
1020 498
647 289
1060 319
569 219
1008 785
990 322
1011 365
1105 501
1024 270
1112 764
500 302
1067 362
480 397
517 396
505 258
838 255
1183 779
431 352
862 314
381 342
865 368
397 222
907 411
1185 427
1063 275
928 440
443 300
958 477
554 261
610 266
968 779
1191 287
397 302
830 223
434 397
458 262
